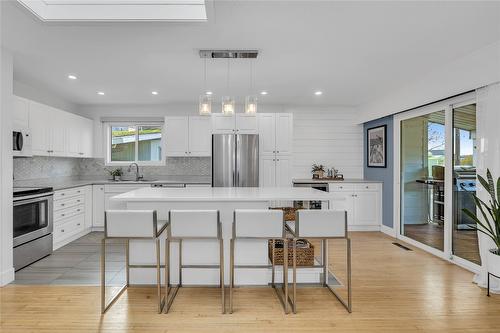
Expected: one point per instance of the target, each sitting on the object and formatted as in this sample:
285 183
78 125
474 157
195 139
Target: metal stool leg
161 301
285 273
294 304
488 285
180 263
105 307
231 274
127 256
221 269
273 265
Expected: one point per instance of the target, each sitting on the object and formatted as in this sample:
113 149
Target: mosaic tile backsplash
40 167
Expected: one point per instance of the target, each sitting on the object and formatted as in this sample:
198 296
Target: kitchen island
205 252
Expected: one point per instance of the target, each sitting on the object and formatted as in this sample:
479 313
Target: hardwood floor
393 291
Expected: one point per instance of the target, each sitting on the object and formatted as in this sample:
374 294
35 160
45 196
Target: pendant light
251 100
205 107
228 102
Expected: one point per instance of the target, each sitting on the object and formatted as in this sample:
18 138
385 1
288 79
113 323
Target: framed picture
376 138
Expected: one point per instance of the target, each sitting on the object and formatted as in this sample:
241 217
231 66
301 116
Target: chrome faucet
137 175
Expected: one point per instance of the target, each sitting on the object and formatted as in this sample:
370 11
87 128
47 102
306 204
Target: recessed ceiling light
263 92
318 93
209 93
154 92
72 77
100 93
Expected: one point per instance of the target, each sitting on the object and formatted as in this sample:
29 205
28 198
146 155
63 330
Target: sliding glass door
436 173
422 177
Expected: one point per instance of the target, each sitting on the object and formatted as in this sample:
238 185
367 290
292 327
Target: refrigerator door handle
236 161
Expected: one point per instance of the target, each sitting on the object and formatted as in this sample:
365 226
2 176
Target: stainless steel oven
32 225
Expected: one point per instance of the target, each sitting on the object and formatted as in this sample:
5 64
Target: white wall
475 70
42 96
6 263
326 135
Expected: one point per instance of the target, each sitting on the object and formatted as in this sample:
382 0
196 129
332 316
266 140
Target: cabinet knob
277 151
278 159
62 230
63 214
78 224
62 205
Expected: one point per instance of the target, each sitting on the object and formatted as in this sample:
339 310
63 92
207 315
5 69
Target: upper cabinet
58 133
20 117
275 133
188 136
238 123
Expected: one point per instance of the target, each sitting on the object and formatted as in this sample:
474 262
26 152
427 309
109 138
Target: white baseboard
388 231
97 229
6 277
363 228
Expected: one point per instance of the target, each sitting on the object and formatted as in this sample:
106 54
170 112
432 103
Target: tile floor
77 263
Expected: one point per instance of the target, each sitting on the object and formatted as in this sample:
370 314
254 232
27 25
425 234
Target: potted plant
490 226
115 173
318 171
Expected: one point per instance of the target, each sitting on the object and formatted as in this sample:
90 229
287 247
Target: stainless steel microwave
21 143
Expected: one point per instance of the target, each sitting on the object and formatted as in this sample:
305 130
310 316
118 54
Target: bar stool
260 224
131 224
322 225
194 224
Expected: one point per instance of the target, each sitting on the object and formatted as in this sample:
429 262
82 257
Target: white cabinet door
87 138
343 201
73 135
223 124
366 208
20 116
40 127
88 207
284 130
283 171
176 136
200 136
267 171
246 124
98 205
267 135
57 131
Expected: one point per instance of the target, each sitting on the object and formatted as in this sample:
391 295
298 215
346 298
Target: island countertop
223 194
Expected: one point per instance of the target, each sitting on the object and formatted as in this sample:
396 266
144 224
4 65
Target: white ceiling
353 51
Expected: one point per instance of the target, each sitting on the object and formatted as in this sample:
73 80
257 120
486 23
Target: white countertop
347 180
223 194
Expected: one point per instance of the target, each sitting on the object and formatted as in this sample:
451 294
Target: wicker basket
288 212
305 255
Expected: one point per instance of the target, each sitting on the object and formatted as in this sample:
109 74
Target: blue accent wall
384 175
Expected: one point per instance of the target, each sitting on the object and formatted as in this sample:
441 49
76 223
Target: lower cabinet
275 171
361 201
72 215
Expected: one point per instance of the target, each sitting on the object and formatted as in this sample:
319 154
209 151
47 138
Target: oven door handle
32 198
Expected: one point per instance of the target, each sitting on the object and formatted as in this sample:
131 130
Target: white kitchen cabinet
200 136
239 123
176 136
59 133
20 116
72 215
188 136
275 133
362 201
275 171
98 206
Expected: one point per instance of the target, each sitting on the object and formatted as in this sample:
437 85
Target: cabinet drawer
70 202
64 214
63 194
334 187
367 187
68 229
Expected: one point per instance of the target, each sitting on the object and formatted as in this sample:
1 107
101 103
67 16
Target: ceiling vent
228 54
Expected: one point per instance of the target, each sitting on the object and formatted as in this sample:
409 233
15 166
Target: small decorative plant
318 171
115 173
490 212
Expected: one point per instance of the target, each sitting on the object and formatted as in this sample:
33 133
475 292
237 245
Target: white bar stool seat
194 224
323 225
259 224
131 224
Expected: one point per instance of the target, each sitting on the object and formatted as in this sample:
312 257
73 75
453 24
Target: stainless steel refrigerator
235 160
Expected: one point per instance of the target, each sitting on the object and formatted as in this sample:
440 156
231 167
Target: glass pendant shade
228 105
251 105
205 105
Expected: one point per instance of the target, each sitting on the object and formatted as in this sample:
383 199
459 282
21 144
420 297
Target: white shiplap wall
328 136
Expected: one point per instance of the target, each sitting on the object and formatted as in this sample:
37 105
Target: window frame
108 126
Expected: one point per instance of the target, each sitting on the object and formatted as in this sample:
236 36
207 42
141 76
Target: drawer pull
62 230
77 200
367 186
62 194
62 205
78 210
63 214
78 224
